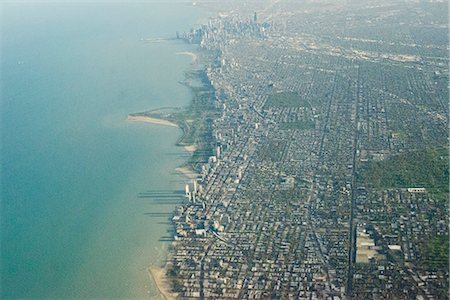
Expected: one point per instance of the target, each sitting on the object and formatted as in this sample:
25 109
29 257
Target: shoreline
196 113
151 120
158 275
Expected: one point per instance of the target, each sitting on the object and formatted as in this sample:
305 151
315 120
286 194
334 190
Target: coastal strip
151 120
159 277
197 140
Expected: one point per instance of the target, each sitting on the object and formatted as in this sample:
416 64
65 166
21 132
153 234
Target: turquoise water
72 225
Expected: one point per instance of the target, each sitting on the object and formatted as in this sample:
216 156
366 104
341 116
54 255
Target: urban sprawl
327 170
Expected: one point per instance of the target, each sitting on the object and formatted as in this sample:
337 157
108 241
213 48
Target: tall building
186 188
218 151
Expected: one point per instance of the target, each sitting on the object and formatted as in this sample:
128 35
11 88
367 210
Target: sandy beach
190 148
159 277
151 120
191 54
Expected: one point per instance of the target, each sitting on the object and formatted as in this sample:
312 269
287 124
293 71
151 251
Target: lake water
72 225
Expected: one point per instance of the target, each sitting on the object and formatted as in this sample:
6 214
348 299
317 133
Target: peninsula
151 120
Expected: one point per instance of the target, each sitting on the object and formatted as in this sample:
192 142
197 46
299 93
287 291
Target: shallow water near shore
72 224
